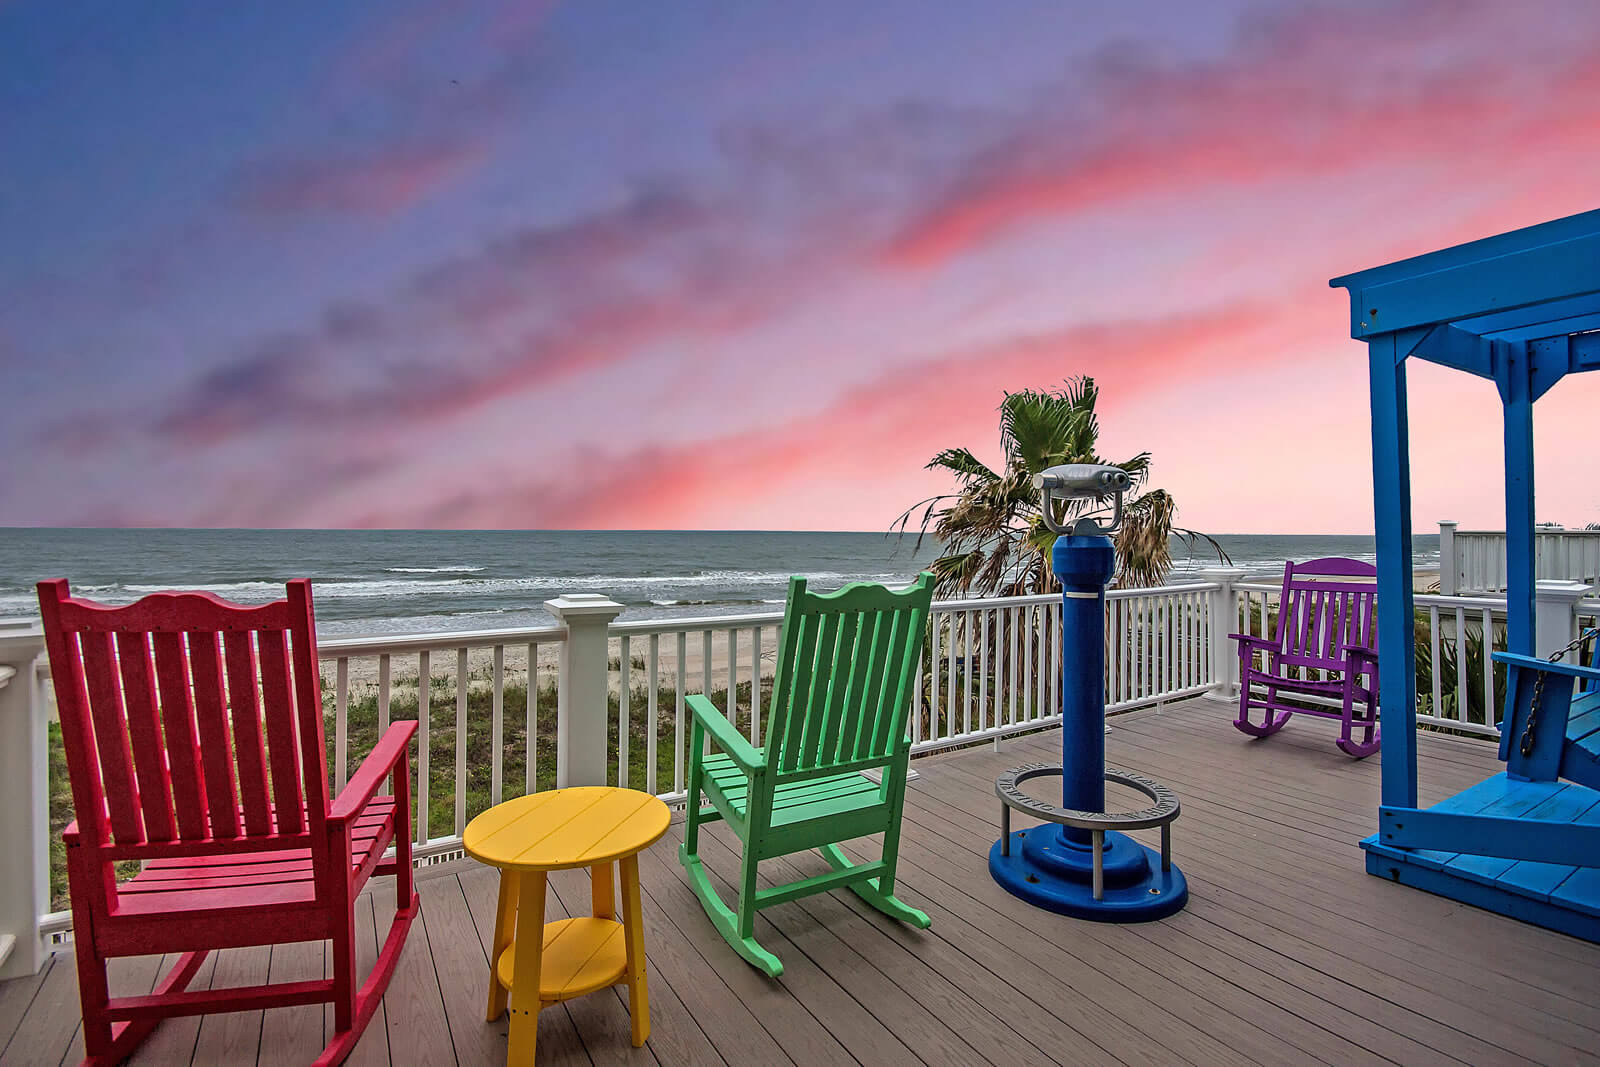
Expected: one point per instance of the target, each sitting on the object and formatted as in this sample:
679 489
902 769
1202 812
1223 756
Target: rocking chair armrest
1361 652
390 755
706 715
1256 642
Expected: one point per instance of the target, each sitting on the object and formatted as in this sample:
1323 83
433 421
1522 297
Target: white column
583 689
1555 619
1449 566
24 802
1224 621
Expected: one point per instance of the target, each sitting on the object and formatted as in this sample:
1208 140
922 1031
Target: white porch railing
367 675
992 667
600 701
1474 561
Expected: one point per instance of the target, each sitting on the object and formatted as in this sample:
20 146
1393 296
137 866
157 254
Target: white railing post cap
21 646
1222 574
1558 589
582 605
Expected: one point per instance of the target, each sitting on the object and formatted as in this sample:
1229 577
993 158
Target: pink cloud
856 463
378 182
1433 87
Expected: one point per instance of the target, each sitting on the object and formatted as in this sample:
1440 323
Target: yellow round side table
585 826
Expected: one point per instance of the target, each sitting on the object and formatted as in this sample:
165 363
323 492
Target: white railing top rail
766 618
704 622
974 602
379 644
1421 600
1159 590
1537 533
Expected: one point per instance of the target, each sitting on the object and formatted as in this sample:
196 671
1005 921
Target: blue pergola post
1391 480
1515 380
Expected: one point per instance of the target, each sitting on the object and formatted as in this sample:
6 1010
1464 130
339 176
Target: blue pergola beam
1538 320
1554 357
1451 346
1519 279
1476 252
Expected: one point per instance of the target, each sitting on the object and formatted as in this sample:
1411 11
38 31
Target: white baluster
497 728
463 683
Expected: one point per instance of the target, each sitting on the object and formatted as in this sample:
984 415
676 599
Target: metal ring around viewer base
1161 813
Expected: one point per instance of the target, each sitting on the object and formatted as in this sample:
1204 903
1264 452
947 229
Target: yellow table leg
633 937
600 890
525 970
505 928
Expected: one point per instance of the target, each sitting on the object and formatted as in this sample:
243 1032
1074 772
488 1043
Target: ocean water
401 581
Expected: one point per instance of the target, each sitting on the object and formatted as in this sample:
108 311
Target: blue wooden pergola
1521 309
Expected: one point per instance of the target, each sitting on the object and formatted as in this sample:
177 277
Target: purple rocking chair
1327 627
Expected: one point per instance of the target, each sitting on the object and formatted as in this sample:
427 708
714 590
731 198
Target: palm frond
991 528
963 464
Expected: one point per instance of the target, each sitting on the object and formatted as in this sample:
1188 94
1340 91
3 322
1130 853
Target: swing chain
1526 744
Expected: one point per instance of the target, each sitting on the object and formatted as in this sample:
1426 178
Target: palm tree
994 534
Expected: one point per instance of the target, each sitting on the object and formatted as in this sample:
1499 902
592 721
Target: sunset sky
743 265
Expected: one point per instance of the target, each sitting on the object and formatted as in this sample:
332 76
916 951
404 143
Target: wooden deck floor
1287 952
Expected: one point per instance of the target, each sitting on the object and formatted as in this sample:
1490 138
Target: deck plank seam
810 907
1157 945
1205 831
724 888
1355 989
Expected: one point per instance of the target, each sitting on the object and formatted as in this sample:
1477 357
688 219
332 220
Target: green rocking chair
846 665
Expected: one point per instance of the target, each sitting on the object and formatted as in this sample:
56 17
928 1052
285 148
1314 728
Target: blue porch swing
1523 310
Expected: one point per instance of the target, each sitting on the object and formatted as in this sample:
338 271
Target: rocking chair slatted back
1318 618
186 730
846 663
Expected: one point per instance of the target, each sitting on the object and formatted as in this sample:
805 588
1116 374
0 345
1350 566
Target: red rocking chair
1327 613
194 748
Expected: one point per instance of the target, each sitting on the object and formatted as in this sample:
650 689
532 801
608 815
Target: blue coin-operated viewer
1078 862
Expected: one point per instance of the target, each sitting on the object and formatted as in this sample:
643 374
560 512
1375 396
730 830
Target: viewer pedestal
1078 863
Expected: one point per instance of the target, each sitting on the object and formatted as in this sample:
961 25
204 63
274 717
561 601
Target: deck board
291 1036
1288 950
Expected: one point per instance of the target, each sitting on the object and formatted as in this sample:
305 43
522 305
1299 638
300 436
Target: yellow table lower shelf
580 956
